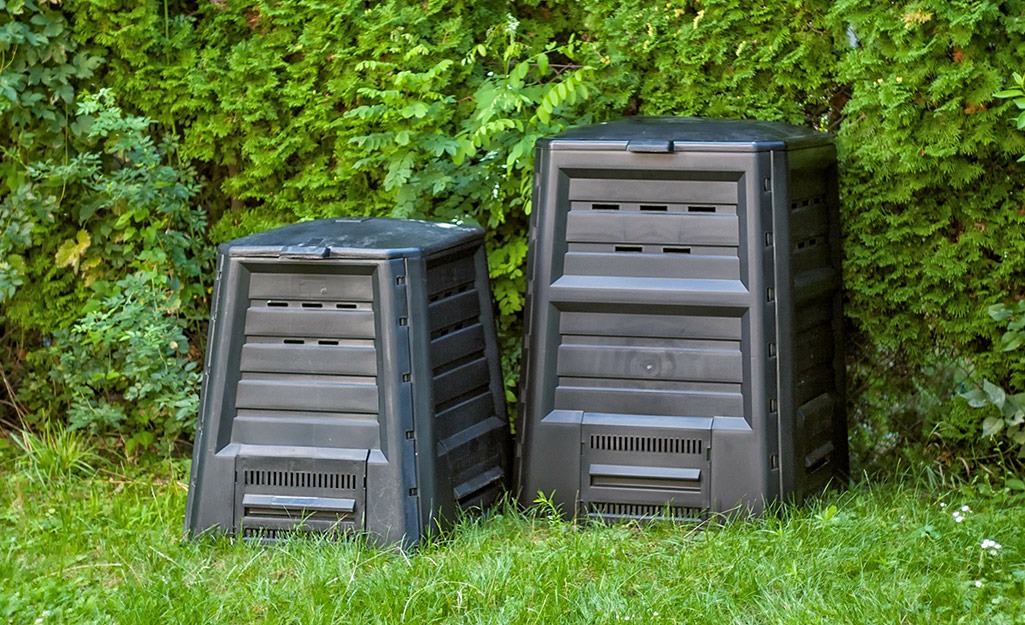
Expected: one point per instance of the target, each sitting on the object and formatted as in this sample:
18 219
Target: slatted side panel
636 363
309 350
815 280
653 239
469 434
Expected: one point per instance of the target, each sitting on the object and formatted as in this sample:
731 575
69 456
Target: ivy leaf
992 425
995 394
1000 312
70 252
976 398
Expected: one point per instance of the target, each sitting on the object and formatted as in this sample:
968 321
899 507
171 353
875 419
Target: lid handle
304 251
647 145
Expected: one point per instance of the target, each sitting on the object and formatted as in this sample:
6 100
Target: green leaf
542 64
995 394
1011 340
1009 93
1015 484
992 426
975 397
70 252
544 114
1000 312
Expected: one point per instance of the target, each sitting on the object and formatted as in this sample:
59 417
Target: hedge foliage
292 110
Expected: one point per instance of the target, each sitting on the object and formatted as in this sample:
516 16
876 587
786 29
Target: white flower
965 509
978 583
943 504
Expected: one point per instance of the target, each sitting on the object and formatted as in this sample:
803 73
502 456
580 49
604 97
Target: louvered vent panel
815 384
467 430
462 396
309 353
300 479
646 239
674 365
643 512
657 445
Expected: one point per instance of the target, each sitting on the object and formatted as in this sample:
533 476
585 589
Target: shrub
293 111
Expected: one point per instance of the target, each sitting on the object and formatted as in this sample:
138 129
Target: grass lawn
109 548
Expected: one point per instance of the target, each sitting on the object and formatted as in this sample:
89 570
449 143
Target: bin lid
353 237
676 134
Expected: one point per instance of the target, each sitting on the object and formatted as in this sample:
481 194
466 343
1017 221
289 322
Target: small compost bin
352 383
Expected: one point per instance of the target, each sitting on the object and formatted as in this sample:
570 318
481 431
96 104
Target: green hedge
294 110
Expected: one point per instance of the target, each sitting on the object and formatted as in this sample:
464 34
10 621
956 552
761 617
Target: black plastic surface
683 347
352 383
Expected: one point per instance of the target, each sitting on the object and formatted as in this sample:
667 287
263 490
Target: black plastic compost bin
352 383
683 347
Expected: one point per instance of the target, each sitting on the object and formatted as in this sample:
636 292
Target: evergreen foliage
290 110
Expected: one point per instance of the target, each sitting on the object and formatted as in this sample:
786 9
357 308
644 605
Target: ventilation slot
461 398
268 534
700 209
278 304
605 207
812 242
657 445
675 250
265 533
312 305
633 249
802 203
622 511
654 207
466 323
327 342
462 288
300 479
458 362
294 342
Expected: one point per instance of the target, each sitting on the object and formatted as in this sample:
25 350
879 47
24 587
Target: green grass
109 548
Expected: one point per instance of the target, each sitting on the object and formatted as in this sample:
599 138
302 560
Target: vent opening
649 444
312 305
641 512
346 306
458 362
675 250
818 464
440 332
654 207
327 342
605 207
440 295
299 479
633 249
278 304
700 209
294 342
